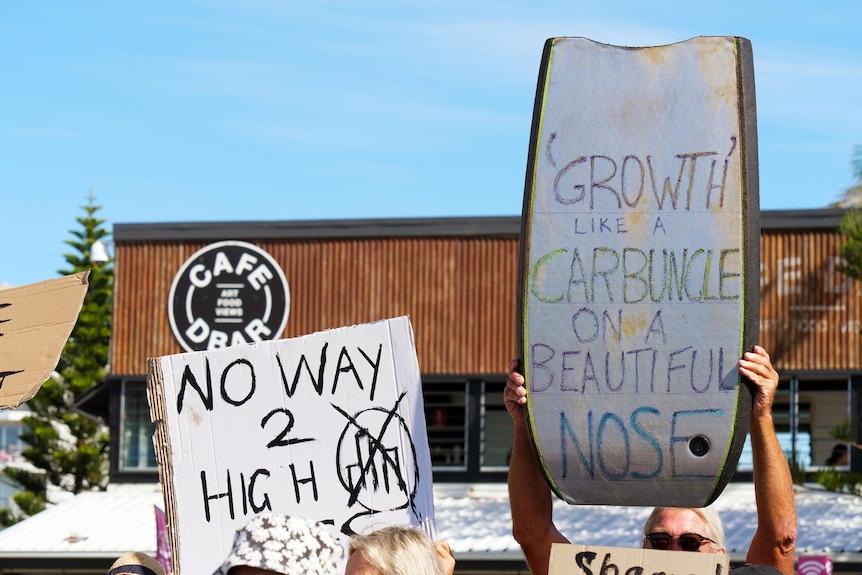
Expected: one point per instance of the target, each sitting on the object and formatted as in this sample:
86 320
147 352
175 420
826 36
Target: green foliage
69 448
840 481
834 479
851 223
29 503
852 196
841 431
851 250
797 471
8 517
844 431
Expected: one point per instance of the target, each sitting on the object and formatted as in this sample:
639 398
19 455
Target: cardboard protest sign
35 323
569 559
329 426
639 268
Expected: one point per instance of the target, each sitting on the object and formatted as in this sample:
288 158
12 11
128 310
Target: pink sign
163 546
814 565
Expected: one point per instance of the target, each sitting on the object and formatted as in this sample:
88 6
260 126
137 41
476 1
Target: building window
469 430
781 417
136 429
445 420
497 428
804 434
785 440
11 445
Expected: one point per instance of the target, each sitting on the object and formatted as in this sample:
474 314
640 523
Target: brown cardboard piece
571 559
35 323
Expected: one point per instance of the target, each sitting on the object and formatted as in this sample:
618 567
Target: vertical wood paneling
460 293
810 313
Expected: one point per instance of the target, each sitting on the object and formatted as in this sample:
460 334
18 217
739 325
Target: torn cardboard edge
162 446
36 321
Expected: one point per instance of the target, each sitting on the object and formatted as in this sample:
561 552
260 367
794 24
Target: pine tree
71 449
851 250
852 196
851 223
851 254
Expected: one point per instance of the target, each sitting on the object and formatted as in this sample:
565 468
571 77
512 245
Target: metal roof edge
299 229
837 557
826 218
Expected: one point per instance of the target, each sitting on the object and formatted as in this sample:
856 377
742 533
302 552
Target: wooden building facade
457 280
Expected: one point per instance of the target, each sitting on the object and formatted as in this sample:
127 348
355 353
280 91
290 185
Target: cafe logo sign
228 293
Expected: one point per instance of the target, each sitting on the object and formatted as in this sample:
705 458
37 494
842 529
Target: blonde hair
711 519
398 550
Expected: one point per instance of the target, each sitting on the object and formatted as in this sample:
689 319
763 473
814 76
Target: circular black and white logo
228 293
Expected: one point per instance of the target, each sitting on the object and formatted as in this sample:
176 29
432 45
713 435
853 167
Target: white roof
475 519
828 523
91 524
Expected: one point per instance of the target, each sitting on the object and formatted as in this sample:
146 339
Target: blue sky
227 110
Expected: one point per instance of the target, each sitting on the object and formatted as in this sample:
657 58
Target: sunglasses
687 541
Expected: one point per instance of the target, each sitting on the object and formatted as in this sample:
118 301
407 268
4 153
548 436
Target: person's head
684 529
276 544
394 550
839 455
136 564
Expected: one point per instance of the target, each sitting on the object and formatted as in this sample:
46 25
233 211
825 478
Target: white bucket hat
288 545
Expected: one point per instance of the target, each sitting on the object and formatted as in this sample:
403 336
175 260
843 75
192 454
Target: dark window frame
472 472
115 401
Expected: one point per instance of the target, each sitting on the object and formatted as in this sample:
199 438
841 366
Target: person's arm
529 495
774 542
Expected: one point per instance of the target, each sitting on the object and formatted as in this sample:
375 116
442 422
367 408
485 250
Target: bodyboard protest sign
639 268
328 426
571 559
35 323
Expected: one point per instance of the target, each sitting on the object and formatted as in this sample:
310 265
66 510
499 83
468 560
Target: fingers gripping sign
756 365
515 394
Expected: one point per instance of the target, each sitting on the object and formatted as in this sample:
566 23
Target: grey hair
710 517
398 550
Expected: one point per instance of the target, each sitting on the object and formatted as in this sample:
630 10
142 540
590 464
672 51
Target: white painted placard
328 426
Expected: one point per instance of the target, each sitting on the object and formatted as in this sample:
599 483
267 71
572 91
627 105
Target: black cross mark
376 447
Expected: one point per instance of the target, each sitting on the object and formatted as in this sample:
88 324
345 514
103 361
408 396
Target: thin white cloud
822 95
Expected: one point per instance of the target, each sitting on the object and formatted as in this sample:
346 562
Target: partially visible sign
329 426
814 565
163 541
639 268
228 293
35 323
570 559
